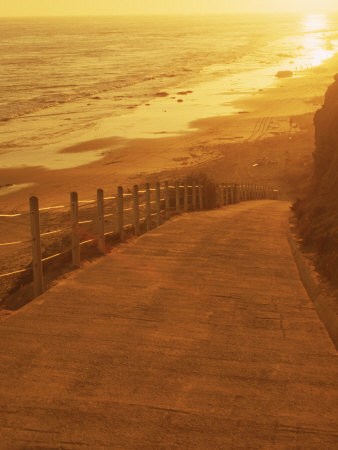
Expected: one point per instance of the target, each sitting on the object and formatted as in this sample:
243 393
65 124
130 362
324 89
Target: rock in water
284 74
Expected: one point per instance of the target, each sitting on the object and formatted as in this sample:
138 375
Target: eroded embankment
317 213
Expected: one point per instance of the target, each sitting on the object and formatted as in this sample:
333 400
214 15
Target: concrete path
198 335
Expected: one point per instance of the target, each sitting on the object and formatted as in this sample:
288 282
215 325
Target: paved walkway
198 335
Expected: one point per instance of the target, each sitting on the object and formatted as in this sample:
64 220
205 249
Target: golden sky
111 7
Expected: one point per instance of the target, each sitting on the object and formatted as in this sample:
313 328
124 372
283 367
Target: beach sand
275 124
270 141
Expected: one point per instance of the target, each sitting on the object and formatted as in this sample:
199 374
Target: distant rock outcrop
318 212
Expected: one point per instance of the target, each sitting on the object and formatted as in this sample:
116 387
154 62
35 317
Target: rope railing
174 200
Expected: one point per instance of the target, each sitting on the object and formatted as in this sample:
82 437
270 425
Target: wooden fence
136 210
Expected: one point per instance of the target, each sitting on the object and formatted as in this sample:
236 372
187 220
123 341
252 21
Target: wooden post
36 246
235 193
158 204
232 194
221 188
120 221
200 195
194 195
100 222
177 191
148 207
186 207
136 211
226 197
218 196
74 211
166 200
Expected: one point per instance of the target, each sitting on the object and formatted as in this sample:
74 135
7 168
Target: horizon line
249 13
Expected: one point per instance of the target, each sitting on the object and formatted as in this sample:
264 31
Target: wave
19 108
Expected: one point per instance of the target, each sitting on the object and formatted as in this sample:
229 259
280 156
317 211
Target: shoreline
271 117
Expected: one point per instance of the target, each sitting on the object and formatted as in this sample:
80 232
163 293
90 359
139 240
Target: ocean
70 80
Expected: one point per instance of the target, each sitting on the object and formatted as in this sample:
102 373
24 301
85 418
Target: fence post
136 211
158 204
166 200
194 195
177 192
74 211
200 195
36 246
148 207
186 208
218 196
120 223
100 222
235 193
221 188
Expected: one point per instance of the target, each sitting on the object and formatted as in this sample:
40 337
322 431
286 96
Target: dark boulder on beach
318 212
161 94
284 74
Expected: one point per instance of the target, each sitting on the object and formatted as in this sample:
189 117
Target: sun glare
315 22
314 42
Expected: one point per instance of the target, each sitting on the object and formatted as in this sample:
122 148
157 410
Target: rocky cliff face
318 212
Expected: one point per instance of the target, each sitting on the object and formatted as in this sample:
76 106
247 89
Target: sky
135 7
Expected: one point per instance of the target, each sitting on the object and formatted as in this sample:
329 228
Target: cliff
317 213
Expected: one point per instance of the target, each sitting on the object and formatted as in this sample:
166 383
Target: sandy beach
270 139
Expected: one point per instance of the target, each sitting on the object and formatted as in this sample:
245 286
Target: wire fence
55 231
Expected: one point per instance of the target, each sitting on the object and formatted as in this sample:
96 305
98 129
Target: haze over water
68 80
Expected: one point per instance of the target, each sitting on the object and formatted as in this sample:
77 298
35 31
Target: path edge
321 301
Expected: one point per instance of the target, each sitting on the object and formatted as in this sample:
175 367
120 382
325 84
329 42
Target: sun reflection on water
315 41
315 22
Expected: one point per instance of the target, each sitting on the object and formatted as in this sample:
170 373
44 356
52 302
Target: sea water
64 81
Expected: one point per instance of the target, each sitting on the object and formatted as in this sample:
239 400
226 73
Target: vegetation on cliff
317 213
